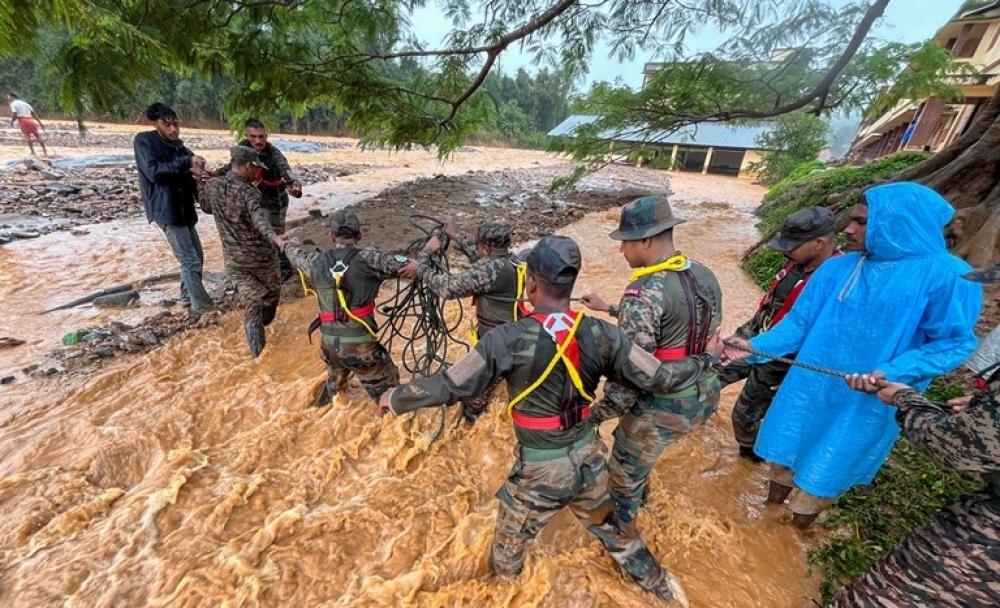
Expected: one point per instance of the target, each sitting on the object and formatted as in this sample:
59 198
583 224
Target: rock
49 367
27 370
167 303
6 379
104 351
147 338
25 234
7 342
117 300
79 231
62 188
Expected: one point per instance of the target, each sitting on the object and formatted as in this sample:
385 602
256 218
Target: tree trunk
967 173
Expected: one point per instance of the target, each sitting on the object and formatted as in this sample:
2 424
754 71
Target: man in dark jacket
169 190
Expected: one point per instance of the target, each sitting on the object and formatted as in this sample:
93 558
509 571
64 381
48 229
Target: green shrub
810 190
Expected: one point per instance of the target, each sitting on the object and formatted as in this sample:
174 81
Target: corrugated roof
702 134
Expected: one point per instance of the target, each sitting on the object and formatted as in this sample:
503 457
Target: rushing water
194 476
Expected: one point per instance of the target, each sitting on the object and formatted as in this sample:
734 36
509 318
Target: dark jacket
168 188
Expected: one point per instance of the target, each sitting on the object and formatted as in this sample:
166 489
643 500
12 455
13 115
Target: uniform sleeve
968 441
251 199
287 173
631 364
299 259
467 247
472 375
476 280
206 193
385 265
639 319
156 169
946 325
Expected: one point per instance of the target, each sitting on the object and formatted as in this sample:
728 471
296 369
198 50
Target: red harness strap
364 311
572 412
670 354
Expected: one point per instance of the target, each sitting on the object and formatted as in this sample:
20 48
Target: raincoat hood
905 220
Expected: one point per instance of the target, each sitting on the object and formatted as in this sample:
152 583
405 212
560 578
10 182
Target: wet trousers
801 502
186 246
362 356
276 207
652 424
258 291
953 561
541 484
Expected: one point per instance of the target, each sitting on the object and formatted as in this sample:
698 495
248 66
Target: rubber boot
668 589
324 397
777 493
748 453
802 521
255 338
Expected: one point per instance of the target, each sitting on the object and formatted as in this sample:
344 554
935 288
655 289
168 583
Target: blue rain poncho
901 308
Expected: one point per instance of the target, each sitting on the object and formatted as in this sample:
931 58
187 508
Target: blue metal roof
704 134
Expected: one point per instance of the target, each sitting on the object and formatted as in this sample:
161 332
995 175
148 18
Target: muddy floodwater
193 476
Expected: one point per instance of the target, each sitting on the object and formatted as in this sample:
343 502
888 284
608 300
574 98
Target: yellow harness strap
306 290
519 269
674 263
343 306
474 336
574 374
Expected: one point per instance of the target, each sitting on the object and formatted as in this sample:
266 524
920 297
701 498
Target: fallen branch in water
156 278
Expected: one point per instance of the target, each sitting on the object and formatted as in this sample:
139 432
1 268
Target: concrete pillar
927 122
673 158
708 160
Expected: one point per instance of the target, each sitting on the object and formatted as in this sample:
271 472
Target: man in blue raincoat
896 309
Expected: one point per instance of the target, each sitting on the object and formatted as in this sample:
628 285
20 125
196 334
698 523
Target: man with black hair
167 171
27 121
493 282
275 182
346 280
552 362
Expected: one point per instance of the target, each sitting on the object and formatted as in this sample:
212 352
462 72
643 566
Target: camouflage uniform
347 347
492 284
273 183
563 466
655 313
954 560
251 258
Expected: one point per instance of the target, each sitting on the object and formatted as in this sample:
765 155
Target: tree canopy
364 61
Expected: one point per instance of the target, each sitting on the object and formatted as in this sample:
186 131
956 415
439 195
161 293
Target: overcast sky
905 21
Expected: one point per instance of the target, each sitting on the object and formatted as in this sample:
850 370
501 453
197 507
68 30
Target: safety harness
341 313
792 295
260 179
520 310
561 327
698 330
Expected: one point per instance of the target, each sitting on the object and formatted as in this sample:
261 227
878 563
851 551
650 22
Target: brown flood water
193 476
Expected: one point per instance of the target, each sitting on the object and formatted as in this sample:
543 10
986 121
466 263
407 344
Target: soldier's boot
666 587
777 493
802 521
255 337
325 395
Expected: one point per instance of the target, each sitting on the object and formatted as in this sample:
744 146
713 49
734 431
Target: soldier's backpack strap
698 328
562 328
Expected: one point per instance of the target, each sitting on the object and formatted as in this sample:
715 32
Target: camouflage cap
804 226
985 275
244 154
345 223
645 217
555 259
495 234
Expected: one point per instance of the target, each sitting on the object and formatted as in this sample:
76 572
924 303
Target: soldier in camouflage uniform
492 282
349 333
275 182
248 242
806 240
672 307
552 362
954 560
